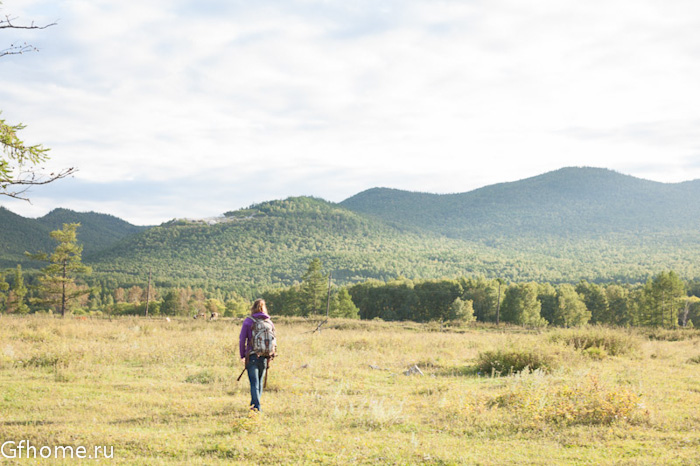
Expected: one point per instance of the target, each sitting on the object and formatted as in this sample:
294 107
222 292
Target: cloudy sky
183 108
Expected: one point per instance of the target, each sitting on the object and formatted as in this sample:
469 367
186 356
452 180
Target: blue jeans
256 374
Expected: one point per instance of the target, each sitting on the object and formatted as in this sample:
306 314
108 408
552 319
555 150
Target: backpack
264 340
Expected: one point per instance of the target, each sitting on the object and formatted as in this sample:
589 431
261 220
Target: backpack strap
252 327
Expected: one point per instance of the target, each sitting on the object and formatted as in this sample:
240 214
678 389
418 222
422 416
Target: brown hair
258 306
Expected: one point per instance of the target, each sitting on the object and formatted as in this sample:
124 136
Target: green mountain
17 235
580 202
272 243
96 233
563 226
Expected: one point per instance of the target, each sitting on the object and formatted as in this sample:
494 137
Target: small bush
694 360
43 360
535 400
613 342
203 377
595 352
508 361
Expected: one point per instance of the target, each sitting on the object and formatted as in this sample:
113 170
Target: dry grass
165 393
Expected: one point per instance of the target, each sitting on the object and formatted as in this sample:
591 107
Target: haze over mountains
567 225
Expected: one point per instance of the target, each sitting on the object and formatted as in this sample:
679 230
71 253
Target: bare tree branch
29 179
19 49
7 24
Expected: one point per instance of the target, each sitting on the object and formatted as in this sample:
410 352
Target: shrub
694 360
535 400
507 361
665 334
43 360
613 342
595 352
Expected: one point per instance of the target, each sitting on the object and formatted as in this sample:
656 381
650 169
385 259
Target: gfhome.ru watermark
23 449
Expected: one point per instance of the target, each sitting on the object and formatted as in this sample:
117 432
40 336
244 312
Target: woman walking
257 344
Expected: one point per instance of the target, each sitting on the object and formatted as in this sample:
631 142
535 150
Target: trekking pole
267 369
245 368
239 377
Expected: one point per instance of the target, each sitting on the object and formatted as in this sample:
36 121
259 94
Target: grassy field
163 392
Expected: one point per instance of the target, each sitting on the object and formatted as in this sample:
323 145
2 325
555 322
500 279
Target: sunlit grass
165 392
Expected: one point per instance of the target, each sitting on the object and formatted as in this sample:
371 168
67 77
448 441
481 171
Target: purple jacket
245 343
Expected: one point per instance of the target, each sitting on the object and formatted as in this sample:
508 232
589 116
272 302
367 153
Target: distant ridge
569 201
96 233
17 235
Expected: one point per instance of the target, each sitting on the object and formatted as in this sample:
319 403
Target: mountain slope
273 242
584 202
97 231
18 234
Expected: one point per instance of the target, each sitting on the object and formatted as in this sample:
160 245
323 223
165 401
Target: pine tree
16 301
660 300
313 288
4 286
57 285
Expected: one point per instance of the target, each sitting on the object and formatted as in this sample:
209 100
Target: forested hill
581 202
563 226
96 233
19 234
273 242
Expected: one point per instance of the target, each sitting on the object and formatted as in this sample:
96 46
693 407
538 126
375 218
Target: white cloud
438 96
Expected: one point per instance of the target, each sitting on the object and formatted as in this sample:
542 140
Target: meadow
162 392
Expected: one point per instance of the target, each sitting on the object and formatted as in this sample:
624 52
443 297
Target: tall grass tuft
611 341
509 361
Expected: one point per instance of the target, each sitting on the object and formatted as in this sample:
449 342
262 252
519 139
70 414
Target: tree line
663 300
